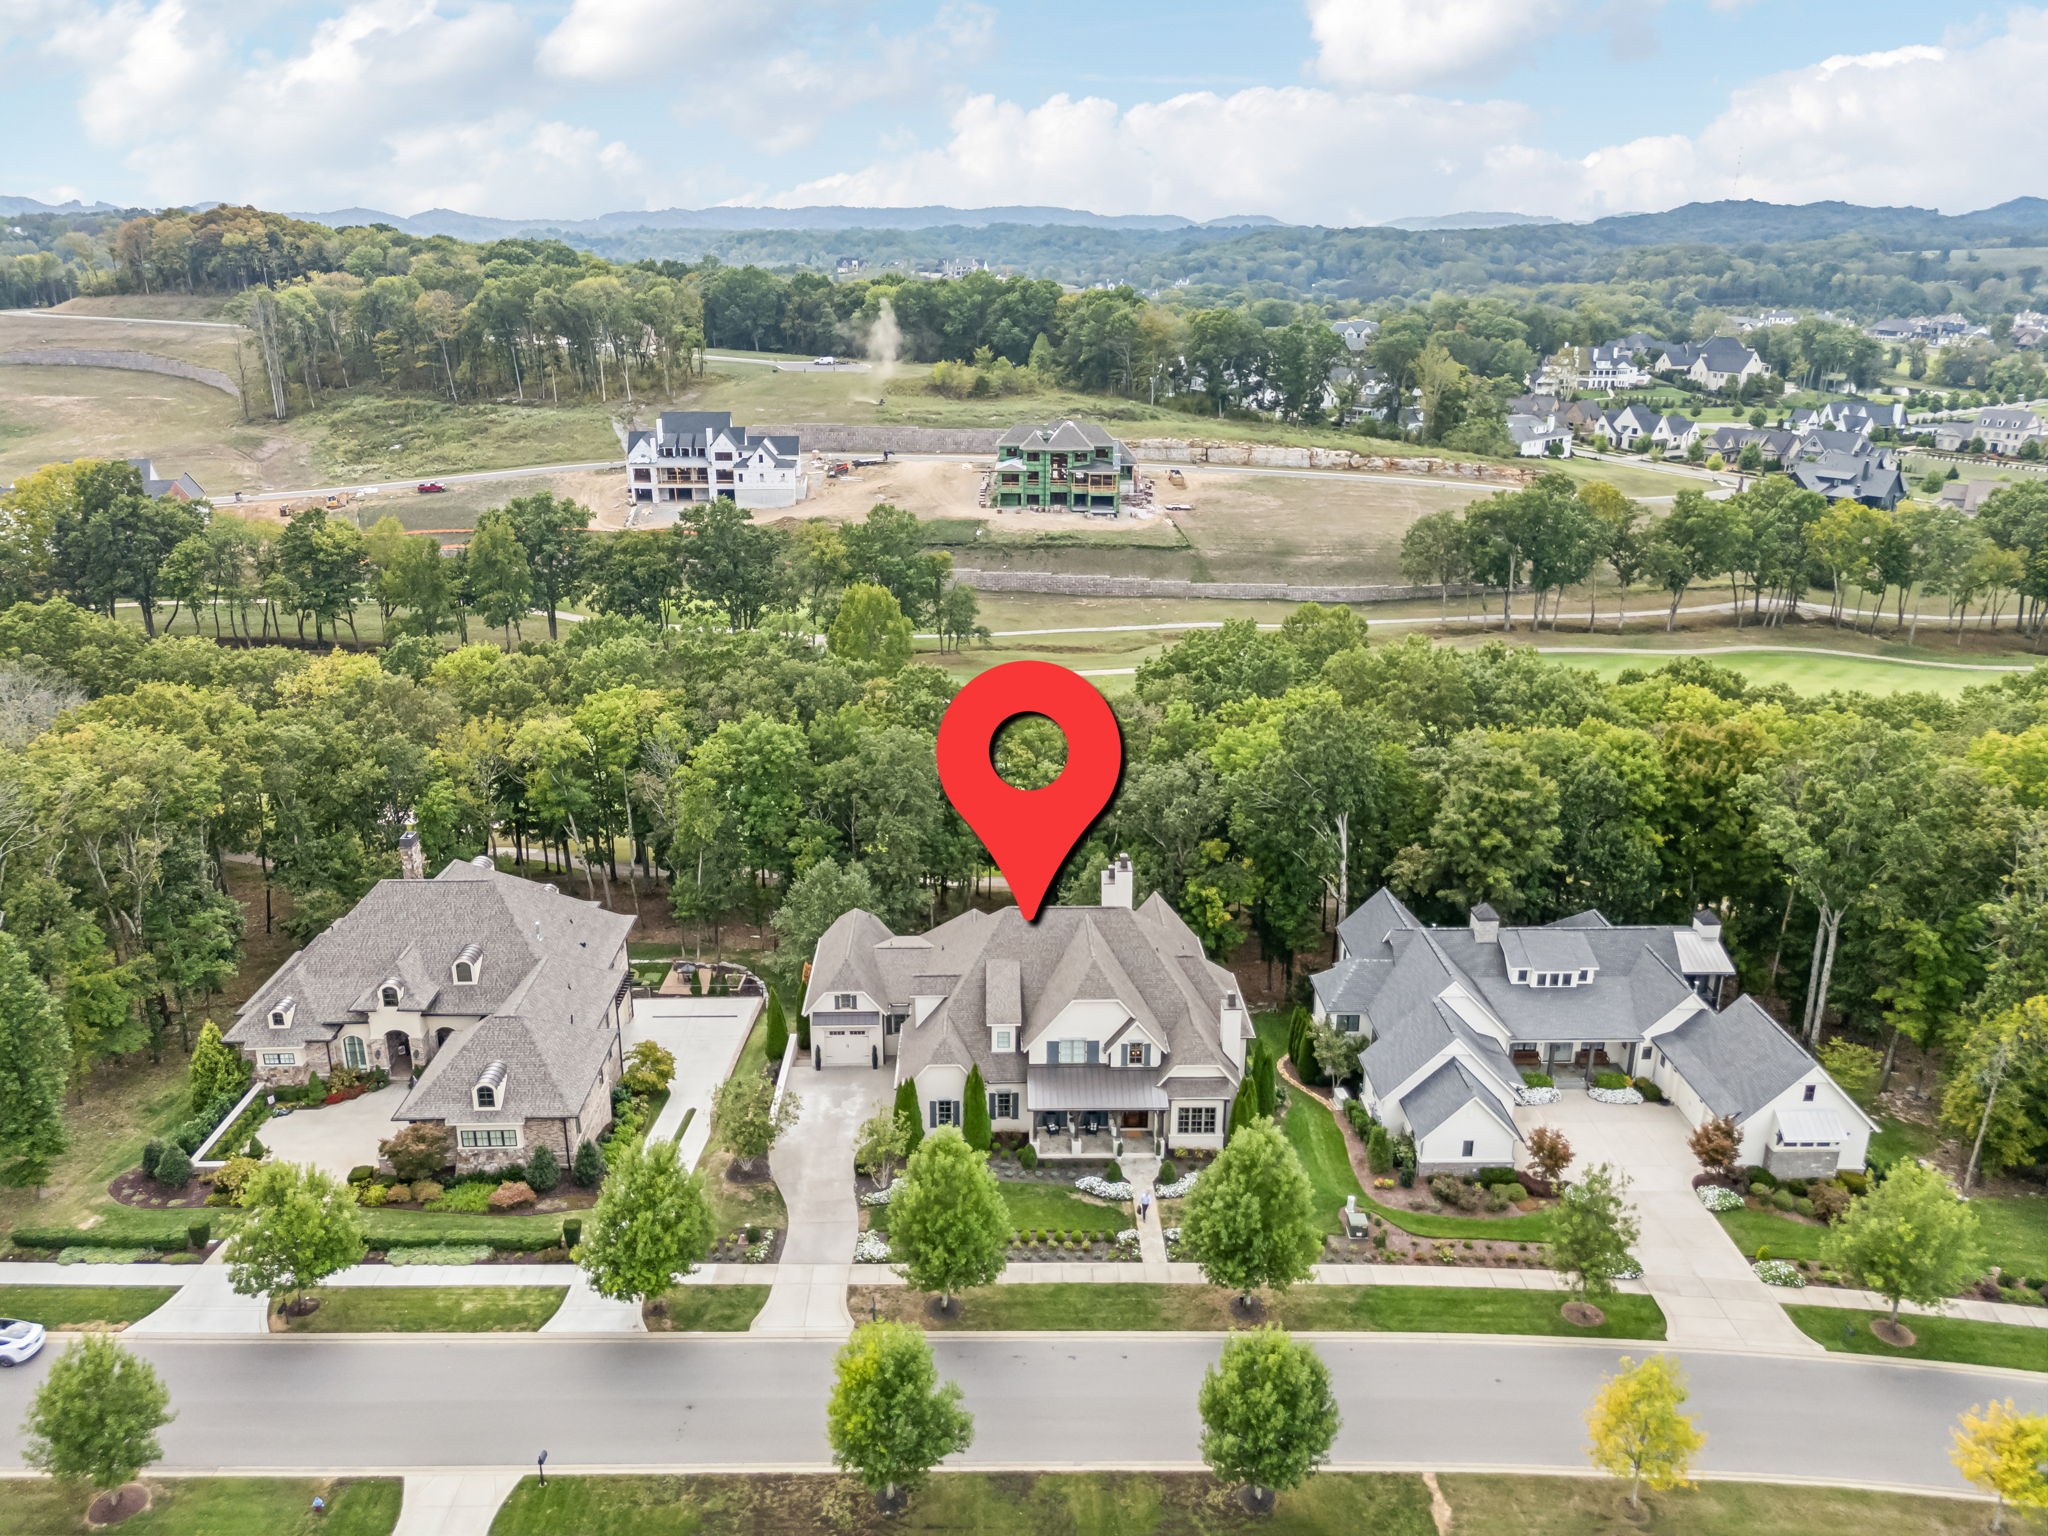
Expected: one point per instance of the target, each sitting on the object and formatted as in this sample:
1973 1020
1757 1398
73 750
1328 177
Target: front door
1137 1120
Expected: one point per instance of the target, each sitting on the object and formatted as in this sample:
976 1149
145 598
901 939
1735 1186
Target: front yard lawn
1786 1238
414 1228
430 1309
1192 1504
2014 1231
82 1306
707 1309
1531 1228
214 1506
1958 1339
1140 1307
1044 1207
1312 1131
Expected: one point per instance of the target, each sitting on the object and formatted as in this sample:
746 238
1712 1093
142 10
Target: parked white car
19 1341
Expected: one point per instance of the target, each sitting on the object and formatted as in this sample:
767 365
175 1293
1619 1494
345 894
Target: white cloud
656 42
1298 152
1396 44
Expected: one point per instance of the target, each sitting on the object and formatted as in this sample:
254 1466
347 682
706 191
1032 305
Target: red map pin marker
1029 832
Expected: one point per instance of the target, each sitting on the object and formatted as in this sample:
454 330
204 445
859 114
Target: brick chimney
412 863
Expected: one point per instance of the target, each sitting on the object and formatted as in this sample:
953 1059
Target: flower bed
873 1248
878 1196
1779 1272
1179 1186
1103 1189
1716 1197
1614 1096
1534 1096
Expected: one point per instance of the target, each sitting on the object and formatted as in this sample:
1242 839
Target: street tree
1269 1416
890 1418
749 1117
1251 1221
303 1224
949 1229
1591 1234
1637 1429
94 1420
2005 1453
1911 1238
651 1224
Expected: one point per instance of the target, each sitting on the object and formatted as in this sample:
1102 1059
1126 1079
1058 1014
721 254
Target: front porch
1584 1060
1098 1134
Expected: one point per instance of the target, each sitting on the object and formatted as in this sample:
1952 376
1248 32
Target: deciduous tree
650 1225
1637 1429
890 1419
949 1229
1251 1221
1592 1232
35 1058
1911 1238
1269 1417
2004 1452
95 1418
750 1119
303 1225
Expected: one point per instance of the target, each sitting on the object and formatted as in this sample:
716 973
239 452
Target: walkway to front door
1702 1281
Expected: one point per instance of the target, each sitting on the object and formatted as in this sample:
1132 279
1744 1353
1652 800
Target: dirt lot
455 511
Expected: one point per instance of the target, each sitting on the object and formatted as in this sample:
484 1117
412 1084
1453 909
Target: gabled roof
1064 437
1446 1091
1724 354
1737 1060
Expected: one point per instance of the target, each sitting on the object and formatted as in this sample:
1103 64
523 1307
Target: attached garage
845 1046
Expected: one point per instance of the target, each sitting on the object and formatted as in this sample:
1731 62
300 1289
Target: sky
1334 112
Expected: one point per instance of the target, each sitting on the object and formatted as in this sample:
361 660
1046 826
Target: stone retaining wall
1065 585
828 437
134 362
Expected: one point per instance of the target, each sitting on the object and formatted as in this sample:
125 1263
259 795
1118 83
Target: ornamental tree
1250 1222
1268 1414
1265 1078
420 1151
95 1417
1912 1238
890 1419
1637 1429
650 1224
1591 1233
1549 1153
303 1226
948 1226
974 1120
882 1138
217 1068
750 1121
650 1068
2003 1452
1717 1143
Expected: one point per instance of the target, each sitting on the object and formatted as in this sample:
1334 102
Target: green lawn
1786 1238
1035 1207
1191 1504
1140 1307
76 1306
1896 1139
417 1227
1009 1504
1935 1338
215 1506
431 1309
2014 1231
1530 1228
1575 1506
1805 672
708 1309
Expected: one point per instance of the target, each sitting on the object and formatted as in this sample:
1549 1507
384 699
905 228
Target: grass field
707 1309
82 1306
431 1309
1956 1339
214 1506
1183 1504
1804 672
1136 1306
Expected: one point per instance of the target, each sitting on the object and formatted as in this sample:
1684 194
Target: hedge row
71 1237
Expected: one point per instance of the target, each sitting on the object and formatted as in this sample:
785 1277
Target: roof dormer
390 993
281 1014
489 1092
468 965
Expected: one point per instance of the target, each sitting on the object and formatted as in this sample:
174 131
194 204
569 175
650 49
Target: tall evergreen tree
974 1112
778 1028
217 1067
35 1056
907 1110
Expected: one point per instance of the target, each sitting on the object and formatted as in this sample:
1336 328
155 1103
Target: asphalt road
1039 1401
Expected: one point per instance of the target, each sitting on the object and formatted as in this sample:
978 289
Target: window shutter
1094 1052
1148 1055
958 1118
932 1115
992 1108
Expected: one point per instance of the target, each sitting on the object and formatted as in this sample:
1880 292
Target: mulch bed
1583 1314
137 1188
123 1503
727 1251
1898 1335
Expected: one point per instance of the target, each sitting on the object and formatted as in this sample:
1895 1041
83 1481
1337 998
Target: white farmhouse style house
1454 1016
1097 1029
694 457
501 1002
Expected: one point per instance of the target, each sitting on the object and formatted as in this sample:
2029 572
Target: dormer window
281 1015
467 965
489 1092
388 994
845 1002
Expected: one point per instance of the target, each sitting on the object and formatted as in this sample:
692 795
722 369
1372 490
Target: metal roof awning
1805 1127
1701 957
1068 1088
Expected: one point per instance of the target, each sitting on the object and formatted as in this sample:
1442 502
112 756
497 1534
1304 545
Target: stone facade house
497 1002
1098 1030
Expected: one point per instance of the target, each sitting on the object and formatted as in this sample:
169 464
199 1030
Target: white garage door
844 1047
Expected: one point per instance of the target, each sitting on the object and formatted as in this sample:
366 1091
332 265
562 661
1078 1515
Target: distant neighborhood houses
1637 360
1934 330
180 487
2002 429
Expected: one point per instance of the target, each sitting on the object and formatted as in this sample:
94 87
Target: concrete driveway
706 1035
813 1166
336 1137
1699 1277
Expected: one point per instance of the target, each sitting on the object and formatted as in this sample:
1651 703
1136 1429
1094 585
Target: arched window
465 973
390 996
486 1096
353 1053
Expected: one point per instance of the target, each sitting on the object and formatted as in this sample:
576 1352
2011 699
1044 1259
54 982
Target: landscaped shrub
1114 1173
1538 1080
198 1234
174 1169
191 1135
512 1195
1803 1205
1797 1186
544 1170
1515 1193
418 1152
1651 1093
1167 1172
438 1253
1855 1181
373 1195
58 1238
472 1199
424 1190
588 1167
152 1154
1611 1080
1760 1175
1784 1200
1715 1198
362 1173
1379 1150
1761 1191
397 1194
1490 1178
1027 1155
572 1231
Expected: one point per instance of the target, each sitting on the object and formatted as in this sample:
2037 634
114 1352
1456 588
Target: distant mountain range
19 205
470 226
1470 221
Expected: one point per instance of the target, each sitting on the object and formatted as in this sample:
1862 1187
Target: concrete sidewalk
205 1303
452 1503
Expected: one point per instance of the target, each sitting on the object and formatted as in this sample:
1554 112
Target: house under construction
1073 466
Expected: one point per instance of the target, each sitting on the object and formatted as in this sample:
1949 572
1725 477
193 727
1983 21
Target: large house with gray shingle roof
1454 1016
1097 1029
499 1001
